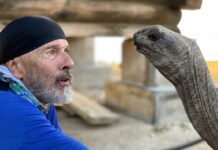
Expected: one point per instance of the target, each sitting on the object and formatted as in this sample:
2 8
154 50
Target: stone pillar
142 88
82 50
133 64
86 73
137 69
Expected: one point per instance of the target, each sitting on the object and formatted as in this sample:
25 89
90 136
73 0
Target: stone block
135 101
138 101
91 76
92 112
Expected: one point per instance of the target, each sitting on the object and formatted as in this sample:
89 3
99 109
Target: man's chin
63 101
58 96
60 103
66 97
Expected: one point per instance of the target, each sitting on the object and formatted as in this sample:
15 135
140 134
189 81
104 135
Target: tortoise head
163 47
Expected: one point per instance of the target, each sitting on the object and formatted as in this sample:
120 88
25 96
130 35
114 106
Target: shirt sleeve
41 134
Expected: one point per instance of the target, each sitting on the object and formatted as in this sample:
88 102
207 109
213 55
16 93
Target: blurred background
120 101
200 24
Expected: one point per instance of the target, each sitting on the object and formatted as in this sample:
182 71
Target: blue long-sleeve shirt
24 127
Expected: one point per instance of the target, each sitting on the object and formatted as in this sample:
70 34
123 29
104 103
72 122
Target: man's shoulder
11 118
8 97
14 105
13 102
7 94
16 110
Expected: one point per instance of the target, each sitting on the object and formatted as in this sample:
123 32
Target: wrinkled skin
180 60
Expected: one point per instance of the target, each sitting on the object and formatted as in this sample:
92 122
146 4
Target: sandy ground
132 134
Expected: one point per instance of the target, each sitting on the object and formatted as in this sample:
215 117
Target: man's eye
67 50
53 51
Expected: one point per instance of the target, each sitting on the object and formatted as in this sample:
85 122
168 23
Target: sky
108 49
201 25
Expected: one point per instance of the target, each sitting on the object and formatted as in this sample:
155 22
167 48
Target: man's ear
13 66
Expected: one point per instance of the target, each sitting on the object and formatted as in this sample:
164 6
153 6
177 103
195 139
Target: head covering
26 34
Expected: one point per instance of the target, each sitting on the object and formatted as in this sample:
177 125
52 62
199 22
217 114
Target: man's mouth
64 83
64 79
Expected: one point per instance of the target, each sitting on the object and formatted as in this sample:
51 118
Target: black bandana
26 34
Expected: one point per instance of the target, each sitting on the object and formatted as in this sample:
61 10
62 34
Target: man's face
46 72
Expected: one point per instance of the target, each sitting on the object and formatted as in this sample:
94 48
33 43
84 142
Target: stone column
137 69
82 50
133 64
86 73
142 88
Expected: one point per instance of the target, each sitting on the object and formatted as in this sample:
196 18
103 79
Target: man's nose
68 62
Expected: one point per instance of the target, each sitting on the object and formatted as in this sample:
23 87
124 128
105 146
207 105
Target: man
34 74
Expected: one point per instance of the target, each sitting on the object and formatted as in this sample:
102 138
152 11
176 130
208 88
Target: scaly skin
180 60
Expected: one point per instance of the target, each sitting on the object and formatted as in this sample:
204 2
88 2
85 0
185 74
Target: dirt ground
133 134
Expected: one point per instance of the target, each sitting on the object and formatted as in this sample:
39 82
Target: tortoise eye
153 36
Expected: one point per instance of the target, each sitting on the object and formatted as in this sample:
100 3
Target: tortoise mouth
141 47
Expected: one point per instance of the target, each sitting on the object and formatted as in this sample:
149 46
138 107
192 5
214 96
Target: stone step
138 101
91 111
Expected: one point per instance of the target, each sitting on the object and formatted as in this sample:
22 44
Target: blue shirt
24 127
